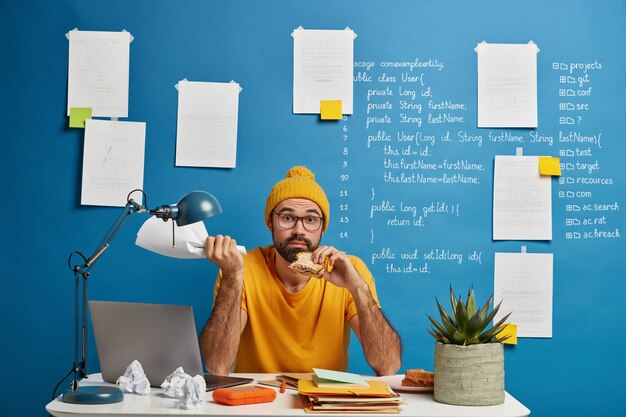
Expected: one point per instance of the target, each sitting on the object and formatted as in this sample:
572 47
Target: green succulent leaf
438 327
489 335
493 314
452 300
475 325
485 309
475 341
435 335
502 321
497 330
457 338
471 303
460 315
503 338
446 320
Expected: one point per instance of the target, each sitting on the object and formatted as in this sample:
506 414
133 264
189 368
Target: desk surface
287 404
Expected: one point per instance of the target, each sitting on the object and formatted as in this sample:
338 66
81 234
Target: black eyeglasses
310 223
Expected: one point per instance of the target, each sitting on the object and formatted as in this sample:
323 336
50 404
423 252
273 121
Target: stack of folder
341 392
292 378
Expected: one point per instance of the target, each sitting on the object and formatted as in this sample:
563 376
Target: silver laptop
161 337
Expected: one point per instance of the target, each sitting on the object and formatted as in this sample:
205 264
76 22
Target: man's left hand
342 271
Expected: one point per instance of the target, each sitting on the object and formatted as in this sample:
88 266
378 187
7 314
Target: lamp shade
194 207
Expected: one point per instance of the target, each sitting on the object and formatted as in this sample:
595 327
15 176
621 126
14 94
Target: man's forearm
219 339
381 343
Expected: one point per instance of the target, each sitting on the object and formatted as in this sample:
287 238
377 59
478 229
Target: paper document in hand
156 236
331 379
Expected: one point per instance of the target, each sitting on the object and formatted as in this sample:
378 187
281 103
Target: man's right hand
222 251
219 339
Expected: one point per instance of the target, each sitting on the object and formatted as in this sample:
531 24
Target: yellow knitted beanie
299 182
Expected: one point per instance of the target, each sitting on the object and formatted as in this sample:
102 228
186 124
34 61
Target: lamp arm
80 330
130 208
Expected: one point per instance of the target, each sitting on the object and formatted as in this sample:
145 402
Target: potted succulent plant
469 356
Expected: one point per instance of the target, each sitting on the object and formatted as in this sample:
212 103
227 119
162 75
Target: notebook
161 337
326 378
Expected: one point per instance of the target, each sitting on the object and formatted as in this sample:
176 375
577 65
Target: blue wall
577 372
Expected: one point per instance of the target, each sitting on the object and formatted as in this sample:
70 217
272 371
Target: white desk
287 404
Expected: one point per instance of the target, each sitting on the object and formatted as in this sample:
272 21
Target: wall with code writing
409 175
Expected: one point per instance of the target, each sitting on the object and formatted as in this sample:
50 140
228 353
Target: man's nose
298 228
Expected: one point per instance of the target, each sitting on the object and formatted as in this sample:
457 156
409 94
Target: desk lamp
193 207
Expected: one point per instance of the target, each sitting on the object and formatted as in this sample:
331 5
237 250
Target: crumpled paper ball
190 391
193 393
174 384
134 380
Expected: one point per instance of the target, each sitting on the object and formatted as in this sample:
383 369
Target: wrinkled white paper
193 393
134 380
175 382
156 236
190 391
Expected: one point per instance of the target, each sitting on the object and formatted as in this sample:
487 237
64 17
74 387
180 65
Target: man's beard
291 254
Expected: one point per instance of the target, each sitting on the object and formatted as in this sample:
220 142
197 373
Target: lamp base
93 395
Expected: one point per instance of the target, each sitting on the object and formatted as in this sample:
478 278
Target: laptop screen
161 337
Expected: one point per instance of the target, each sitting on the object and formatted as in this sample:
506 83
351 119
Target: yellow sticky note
330 110
510 329
78 115
549 165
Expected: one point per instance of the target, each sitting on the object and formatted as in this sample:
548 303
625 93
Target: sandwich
306 266
418 378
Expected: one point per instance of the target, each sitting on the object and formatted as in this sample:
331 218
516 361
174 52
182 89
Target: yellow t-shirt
293 332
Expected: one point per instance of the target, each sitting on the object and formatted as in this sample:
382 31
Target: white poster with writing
322 69
507 85
206 134
522 199
523 283
113 161
98 72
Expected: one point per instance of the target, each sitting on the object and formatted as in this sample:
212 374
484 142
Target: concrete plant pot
469 375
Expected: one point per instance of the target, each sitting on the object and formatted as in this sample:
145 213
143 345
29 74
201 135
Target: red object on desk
247 394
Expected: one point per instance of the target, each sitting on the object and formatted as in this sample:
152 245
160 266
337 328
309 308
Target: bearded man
268 318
